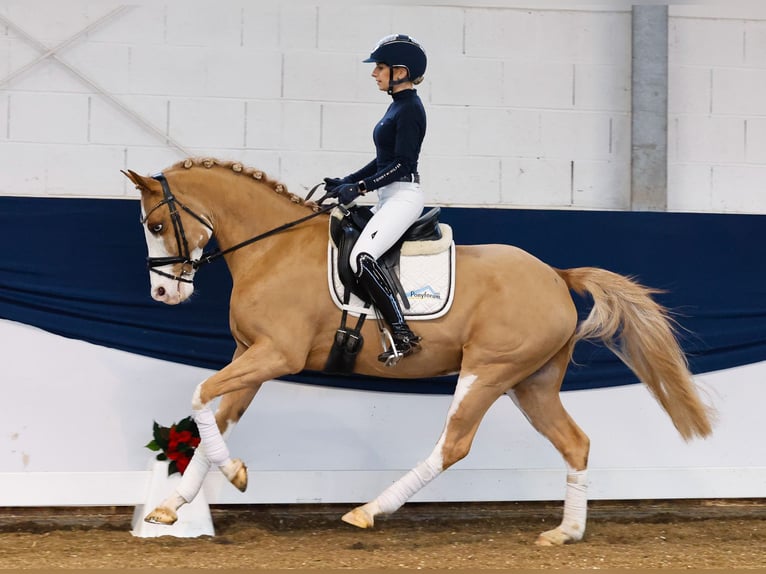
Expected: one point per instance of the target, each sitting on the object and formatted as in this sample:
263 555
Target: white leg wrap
391 499
193 477
575 504
215 448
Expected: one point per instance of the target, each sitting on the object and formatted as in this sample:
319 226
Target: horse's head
175 237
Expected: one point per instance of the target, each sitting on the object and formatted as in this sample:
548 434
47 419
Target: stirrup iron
393 353
390 355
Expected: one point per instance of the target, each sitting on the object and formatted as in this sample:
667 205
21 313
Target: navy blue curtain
75 267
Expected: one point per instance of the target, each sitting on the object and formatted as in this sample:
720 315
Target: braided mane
239 168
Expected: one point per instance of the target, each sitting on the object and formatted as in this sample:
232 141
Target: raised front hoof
556 537
359 517
239 475
161 515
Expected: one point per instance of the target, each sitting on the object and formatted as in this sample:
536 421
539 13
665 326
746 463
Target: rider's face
382 75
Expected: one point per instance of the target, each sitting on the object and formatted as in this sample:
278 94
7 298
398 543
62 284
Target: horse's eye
156 228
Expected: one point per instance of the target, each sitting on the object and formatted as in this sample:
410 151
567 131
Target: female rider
400 63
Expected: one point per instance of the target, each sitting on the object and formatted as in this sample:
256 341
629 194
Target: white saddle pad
428 278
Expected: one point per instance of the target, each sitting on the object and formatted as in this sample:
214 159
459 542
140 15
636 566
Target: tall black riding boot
375 283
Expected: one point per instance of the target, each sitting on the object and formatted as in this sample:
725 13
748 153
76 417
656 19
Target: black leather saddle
345 231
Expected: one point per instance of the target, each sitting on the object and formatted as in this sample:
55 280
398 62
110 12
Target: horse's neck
242 209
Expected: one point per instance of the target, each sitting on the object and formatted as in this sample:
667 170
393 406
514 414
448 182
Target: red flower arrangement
177 443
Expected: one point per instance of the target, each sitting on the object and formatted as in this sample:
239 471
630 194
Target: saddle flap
349 222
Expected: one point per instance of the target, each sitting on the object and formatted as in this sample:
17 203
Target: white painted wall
528 103
80 418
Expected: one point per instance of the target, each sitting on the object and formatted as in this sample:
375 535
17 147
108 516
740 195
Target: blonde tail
640 332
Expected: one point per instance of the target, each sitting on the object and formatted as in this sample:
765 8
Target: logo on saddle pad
426 272
426 292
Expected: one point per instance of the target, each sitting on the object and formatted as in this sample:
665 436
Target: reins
220 253
183 256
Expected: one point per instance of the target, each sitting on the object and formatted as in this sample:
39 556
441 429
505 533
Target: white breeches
399 205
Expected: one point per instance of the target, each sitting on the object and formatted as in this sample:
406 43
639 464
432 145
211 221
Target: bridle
184 255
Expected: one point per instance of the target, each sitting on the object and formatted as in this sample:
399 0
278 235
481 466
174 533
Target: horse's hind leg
538 398
473 396
230 410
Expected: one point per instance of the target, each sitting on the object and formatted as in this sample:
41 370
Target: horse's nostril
160 291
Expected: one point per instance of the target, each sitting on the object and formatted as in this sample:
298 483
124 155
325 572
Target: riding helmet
403 51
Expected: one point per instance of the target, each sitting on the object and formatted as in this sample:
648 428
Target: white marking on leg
464 384
405 488
197 403
230 424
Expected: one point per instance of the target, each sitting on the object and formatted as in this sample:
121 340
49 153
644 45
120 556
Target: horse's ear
140 181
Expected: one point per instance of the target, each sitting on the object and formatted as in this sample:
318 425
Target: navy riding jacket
398 137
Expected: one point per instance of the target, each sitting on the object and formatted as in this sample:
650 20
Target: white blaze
165 289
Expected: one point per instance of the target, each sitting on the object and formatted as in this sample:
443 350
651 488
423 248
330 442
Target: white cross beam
48 52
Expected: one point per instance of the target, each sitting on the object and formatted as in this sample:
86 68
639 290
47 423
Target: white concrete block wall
293 125
109 126
717 108
46 117
528 104
755 152
525 180
4 126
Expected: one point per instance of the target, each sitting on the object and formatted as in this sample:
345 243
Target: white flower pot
194 519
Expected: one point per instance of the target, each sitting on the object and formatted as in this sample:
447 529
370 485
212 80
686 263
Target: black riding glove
347 192
331 184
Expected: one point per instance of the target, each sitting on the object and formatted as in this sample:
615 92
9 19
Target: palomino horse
511 330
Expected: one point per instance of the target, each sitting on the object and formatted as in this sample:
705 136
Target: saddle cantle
420 265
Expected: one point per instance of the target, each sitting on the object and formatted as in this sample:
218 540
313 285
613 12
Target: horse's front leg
256 365
229 412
